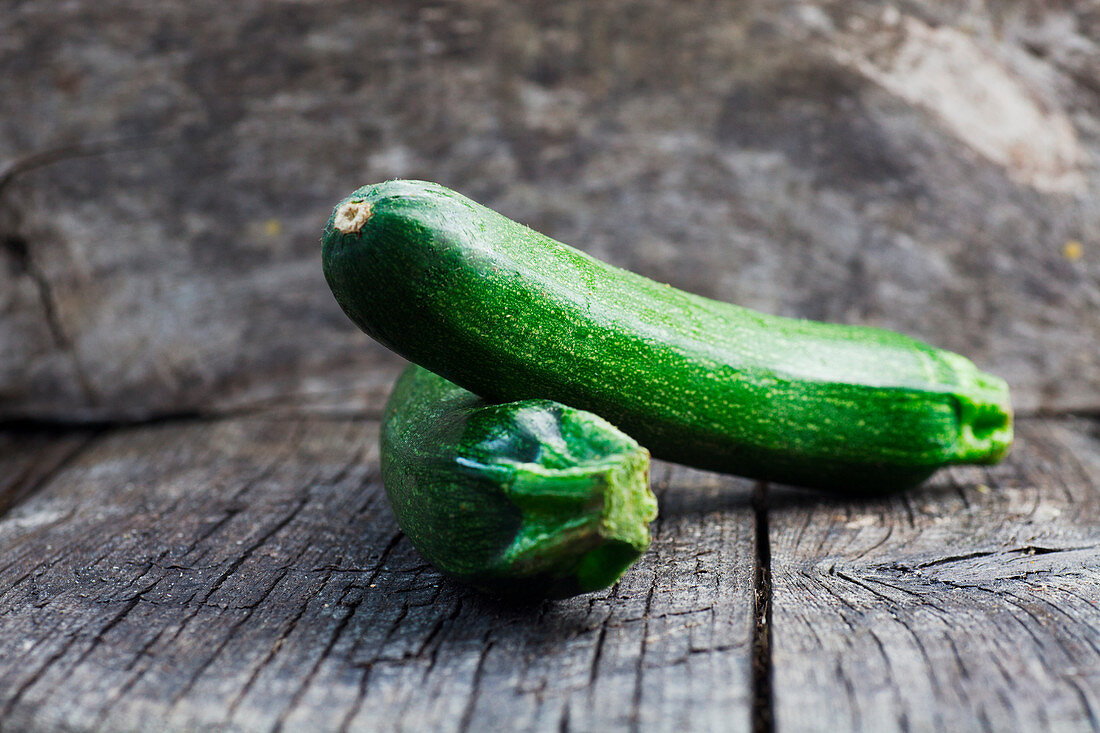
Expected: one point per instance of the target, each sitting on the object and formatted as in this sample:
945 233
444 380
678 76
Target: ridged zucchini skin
529 499
510 314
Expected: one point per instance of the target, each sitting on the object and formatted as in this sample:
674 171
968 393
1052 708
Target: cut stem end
350 216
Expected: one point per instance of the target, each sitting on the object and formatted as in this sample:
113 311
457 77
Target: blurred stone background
165 169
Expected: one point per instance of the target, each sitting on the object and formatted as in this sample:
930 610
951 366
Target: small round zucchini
511 314
525 499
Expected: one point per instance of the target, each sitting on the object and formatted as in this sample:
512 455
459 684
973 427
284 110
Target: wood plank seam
763 717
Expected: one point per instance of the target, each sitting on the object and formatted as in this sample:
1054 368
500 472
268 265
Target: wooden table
245 573
192 531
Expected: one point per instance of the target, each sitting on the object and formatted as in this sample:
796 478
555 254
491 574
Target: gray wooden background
168 167
193 534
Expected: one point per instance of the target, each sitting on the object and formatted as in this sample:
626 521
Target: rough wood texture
164 172
968 605
246 574
928 166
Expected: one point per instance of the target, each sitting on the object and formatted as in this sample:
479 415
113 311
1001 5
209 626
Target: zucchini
511 314
528 498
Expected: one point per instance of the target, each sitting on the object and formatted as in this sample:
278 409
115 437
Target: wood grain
29 459
970 604
165 170
246 574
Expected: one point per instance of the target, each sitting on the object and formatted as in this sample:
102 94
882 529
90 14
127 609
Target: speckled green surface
511 314
528 498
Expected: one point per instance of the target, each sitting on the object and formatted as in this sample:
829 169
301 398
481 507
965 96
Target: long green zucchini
529 498
511 314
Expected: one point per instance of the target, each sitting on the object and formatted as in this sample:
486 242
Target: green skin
511 314
528 499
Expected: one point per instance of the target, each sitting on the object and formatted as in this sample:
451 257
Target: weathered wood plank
28 460
245 574
971 604
825 160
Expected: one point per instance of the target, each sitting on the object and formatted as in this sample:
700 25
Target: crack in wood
598 652
1094 720
50 661
101 634
360 695
475 691
19 249
563 722
351 599
639 667
129 682
356 594
60 153
763 715
433 656
1026 550
181 694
